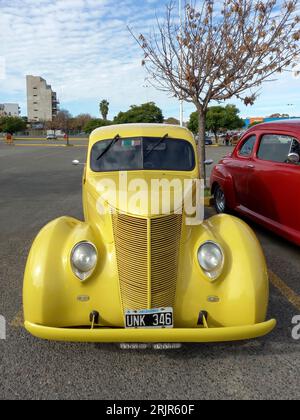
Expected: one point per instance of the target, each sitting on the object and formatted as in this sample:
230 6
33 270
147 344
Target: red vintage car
261 178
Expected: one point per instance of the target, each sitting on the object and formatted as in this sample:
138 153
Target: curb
40 145
49 145
43 139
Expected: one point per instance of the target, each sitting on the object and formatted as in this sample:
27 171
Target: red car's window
247 147
277 147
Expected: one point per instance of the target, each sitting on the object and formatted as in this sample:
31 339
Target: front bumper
176 335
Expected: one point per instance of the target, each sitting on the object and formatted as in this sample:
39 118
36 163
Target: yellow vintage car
138 273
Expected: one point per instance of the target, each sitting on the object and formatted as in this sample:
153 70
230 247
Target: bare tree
220 51
78 123
62 121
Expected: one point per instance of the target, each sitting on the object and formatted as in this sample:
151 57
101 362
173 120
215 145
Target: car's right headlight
84 257
211 259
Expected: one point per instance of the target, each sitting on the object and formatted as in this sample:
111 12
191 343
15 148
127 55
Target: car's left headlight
84 257
211 259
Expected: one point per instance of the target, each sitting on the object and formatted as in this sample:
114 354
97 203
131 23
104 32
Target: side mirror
293 158
208 162
77 163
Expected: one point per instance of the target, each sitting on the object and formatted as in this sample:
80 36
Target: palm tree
104 108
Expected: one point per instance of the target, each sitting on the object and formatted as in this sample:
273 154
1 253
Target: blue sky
84 50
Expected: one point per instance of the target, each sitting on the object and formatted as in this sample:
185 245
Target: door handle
250 166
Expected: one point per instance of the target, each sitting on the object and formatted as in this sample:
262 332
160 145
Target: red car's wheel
220 200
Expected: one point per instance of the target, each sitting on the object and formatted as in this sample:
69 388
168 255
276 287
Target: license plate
149 318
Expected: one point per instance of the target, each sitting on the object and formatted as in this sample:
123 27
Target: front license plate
149 318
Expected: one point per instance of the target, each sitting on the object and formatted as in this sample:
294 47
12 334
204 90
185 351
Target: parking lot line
285 290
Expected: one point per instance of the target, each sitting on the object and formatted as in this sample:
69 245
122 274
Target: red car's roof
293 125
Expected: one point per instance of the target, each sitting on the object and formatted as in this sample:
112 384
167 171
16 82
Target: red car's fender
222 177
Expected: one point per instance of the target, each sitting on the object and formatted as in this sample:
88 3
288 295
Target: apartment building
42 103
9 110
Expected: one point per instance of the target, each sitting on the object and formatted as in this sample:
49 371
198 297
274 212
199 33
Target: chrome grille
147 255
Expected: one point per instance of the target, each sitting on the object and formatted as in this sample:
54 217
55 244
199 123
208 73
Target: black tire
220 200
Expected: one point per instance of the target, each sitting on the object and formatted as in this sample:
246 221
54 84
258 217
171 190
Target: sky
85 51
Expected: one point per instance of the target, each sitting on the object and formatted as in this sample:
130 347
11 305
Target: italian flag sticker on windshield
131 143
136 143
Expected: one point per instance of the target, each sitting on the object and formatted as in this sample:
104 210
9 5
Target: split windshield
147 153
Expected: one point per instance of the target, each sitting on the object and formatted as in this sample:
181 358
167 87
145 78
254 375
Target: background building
277 117
9 110
42 102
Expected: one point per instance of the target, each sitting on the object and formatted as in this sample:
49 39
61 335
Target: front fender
240 296
53 295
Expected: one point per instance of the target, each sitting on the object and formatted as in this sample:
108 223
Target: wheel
220 200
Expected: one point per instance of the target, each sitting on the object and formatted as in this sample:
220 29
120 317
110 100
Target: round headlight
211 259
84 258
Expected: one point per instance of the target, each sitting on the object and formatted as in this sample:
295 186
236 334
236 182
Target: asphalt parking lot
38 184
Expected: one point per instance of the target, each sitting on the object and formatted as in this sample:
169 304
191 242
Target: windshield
147 153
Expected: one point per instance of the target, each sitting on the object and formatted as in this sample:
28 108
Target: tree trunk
201 144
216 137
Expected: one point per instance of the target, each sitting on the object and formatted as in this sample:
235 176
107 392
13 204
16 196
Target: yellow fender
52 294
240 296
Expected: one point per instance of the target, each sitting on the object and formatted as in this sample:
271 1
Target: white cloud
84 50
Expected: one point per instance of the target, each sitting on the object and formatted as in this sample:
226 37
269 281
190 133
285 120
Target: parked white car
51 137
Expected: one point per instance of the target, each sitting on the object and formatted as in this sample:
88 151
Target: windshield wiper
111 144
157 144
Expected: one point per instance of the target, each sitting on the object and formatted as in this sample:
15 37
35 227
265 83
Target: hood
141 194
